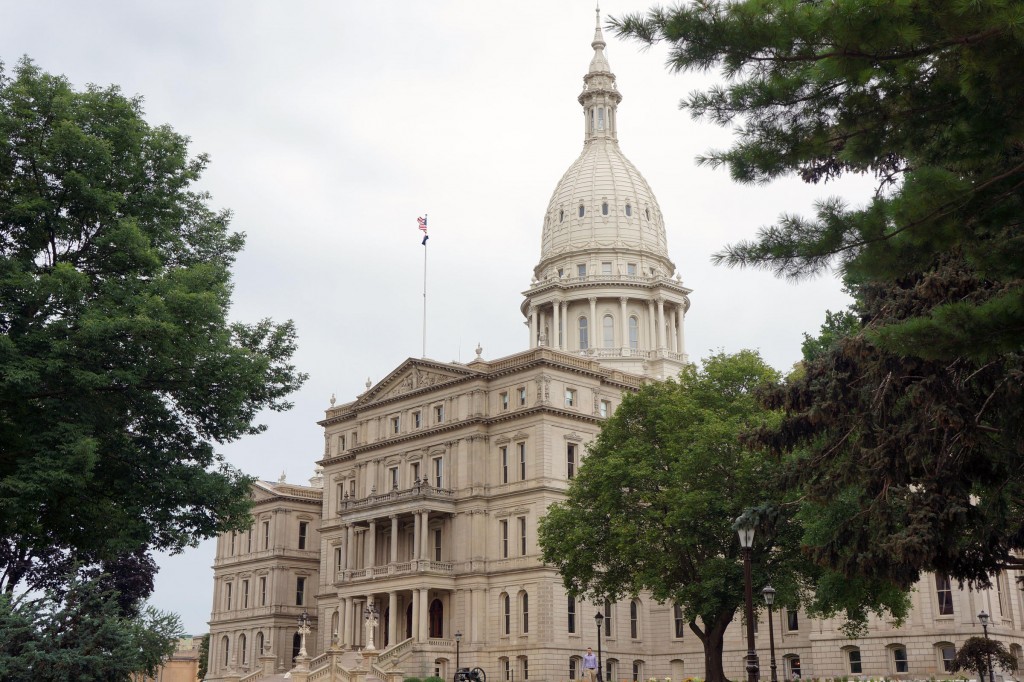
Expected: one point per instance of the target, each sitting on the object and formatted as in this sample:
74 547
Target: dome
619 210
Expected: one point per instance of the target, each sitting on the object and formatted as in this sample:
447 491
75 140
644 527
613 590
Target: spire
600 96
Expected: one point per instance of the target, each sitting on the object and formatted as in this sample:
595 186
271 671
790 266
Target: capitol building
414 548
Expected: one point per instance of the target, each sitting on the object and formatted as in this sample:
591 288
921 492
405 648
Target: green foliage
837 326
412 679
924 96
204 656
974 655
433 679
81 635
119 369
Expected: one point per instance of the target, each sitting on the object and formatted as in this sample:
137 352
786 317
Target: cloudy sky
332 125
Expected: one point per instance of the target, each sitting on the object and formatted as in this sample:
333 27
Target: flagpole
424 291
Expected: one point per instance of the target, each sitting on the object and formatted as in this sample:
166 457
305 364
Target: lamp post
746 533
303 631
769 598
458 639
370 614
599 622
983 619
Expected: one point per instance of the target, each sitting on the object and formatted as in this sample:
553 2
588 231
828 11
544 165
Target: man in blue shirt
590 666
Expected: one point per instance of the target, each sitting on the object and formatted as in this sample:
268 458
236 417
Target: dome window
629 210
648 213
582 211
604 208
561 214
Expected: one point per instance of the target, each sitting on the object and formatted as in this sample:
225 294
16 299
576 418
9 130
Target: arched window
243 649
436 619
259 643
506 614
505 668
584 337
600 118
638 670
611 669
853 662
791 666
634 620
608 331
634 333
226 645
524 609
561 215
582 211
677 667
900 664
604 208
574 667
629 210
648 212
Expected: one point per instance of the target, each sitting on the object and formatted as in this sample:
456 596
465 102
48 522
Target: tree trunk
713 639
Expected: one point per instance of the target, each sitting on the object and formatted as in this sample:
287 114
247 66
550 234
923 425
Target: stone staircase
336 665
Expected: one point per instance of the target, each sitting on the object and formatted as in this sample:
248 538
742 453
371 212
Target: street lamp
745 529
458 638
983 619
303 631
599 622
769 598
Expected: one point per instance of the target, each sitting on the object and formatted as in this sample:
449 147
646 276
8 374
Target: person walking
590 666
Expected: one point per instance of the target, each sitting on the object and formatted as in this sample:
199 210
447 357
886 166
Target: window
648 212
504 463
522 536
416 419
522 396
634 333
416 472
944 591
263 591
248 541
243 648
296 645
561 215
435 613
245 594
581 211
573 665
604 408
678 622
337 559
638 671
437 544
438 472
303 529
853 656
571 628
604 208
584 336
438 414
227 596
396 424
232 543
524 602
525 665
341 443
606 268
947 652
259 643
266 535
581 269
393 477
607 618
505 668
631 268
506 613
300 591
503 524
792 620
570 397
791 666
521 447
629 210
503 398
608 331
600 118
226 645
899 660
570 461
634 620
611 669
1001 594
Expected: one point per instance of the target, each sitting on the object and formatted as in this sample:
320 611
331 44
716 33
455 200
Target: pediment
411 376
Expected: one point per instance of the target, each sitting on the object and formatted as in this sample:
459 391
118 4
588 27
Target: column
343 637
652 336
661 323
592 324
540 330
424 608
425 535
565 325
416 615
624 324
394 540
371 545
392 618
680 339
556 341
673 341
349 547
416 532
533 327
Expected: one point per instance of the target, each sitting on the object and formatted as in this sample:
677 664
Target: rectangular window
352 439
504 463
581 270
792 621
944 591
245 594
603 408
438 414
521 447
504 400
416 472
227 596
1001 595
572 619
899 659
522 396
303 529
504 538
679 623
525 613
263 591
570 461
232 543
855 667
606 269
570 397
631 268
607 618
396 424
300 591
393 477
416 419
248 542
341 443
437 545
526 669
522 536
266 535
337 559
438 472
948 654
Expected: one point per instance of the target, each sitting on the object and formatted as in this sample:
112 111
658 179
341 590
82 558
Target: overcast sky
332 125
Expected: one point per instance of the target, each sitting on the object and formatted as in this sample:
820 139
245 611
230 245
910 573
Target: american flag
423 227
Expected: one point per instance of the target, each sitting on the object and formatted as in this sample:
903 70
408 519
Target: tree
974 656
654 504
923 95
81 635
904 437
120 368
204 656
